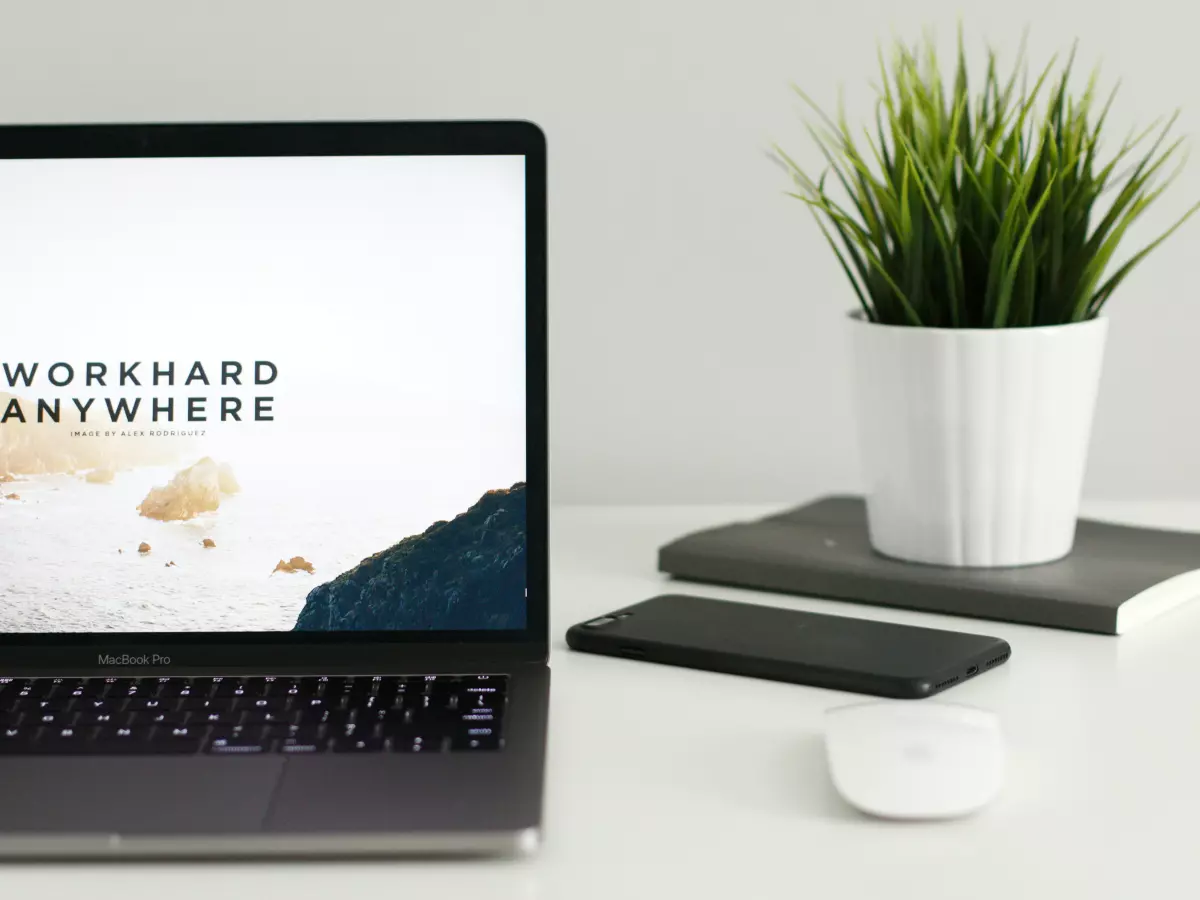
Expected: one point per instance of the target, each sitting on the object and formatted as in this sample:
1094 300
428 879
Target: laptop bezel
293 650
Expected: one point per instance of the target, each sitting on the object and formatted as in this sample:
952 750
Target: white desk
667 783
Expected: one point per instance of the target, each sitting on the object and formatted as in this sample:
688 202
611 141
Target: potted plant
977 228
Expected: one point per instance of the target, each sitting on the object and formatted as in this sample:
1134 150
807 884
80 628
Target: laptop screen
262 394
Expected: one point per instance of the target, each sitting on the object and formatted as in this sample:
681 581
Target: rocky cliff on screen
468 573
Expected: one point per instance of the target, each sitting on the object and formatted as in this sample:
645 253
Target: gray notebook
1116 578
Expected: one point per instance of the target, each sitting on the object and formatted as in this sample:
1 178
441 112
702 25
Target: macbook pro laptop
273 492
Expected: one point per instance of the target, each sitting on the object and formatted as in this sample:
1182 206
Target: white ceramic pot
975 441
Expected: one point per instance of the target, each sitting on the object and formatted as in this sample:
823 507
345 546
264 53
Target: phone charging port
971 671
633 652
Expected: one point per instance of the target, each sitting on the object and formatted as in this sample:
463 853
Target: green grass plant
991 207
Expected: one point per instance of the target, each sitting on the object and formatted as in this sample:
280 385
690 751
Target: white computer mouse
915 759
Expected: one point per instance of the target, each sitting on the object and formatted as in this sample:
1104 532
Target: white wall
697 353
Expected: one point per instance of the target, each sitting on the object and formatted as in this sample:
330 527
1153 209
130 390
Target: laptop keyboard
235 716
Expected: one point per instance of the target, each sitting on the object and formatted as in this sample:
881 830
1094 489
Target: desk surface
667 783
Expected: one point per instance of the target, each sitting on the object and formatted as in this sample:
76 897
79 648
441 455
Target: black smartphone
836 652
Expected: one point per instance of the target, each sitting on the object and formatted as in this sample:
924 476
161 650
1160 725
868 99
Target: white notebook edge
1158 599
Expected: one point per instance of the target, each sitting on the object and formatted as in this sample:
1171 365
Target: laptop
273 491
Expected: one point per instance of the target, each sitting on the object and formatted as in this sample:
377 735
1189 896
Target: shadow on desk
794 779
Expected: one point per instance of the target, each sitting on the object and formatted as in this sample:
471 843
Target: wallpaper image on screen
262 394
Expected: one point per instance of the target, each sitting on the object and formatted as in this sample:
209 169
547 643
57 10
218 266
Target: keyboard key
355 744
475 742
93 718
477 698
35 687
332 687
140 703
229 687
193 704
151 717
248 691
64 740
484 681
303 687
261 704
206 687
175 687
230 731
17 740
306 717
121 733
384 690
239 746
262 717
296 746
473 718
93 687
57 691
120 740
392 717
418 744
203 718
330 717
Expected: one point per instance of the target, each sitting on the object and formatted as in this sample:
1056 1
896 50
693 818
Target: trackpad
136 794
